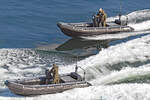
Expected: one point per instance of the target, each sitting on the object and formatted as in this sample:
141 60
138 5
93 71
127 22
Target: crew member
52 74
55 74
48 76
102 17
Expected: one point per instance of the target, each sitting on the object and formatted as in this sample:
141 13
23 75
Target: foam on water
135 50
114 92
141 26
96 66
17 63
124 75
132 51
98 91
139 16
126 53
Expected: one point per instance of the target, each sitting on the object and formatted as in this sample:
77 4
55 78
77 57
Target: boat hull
86 29
36 86
40 90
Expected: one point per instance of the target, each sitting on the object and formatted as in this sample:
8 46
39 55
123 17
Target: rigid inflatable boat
88 29
38 86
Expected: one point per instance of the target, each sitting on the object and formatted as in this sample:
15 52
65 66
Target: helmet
54 65
101 10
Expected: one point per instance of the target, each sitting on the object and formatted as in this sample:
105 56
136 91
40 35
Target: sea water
30 42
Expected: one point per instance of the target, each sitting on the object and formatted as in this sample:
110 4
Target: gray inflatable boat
88 29
38 86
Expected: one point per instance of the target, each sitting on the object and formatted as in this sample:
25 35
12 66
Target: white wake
98 67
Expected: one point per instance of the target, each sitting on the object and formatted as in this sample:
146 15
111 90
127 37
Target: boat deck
68 78
112 24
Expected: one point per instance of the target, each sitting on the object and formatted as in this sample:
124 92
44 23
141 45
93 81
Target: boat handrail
83 71
96 28
55 85
49 85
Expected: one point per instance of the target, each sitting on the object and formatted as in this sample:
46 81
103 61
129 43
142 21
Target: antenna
76 68
120 6
120 11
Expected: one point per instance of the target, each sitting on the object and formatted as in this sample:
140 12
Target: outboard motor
119 22
76 76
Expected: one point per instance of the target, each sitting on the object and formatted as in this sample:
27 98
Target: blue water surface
29 23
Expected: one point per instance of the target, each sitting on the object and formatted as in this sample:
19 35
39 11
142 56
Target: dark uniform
48 76
96 20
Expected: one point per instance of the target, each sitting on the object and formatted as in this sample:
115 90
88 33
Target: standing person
55 75
52 75
102 17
